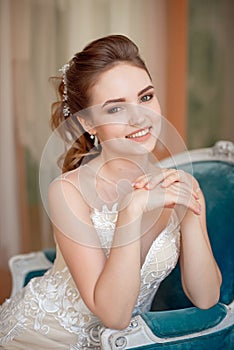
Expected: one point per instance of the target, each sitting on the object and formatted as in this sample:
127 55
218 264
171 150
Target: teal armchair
173 322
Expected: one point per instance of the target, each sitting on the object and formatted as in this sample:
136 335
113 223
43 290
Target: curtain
9 214
28 55
37 38
143 21
211 72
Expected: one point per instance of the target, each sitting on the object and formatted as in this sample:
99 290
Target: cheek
157 107
104 132
110 131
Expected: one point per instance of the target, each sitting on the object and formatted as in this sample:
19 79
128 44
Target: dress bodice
52 303
160 259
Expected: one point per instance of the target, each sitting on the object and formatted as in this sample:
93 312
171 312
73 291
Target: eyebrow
122 99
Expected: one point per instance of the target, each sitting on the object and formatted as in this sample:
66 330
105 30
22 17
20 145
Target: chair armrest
22 264
160 327
176 323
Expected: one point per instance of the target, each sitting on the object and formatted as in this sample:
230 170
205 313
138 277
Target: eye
114 110
147 97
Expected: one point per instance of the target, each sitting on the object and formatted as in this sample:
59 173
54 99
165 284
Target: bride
120 223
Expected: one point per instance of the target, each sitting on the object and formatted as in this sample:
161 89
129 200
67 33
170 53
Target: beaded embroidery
55 294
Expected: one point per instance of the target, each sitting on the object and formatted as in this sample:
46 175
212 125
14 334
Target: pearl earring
94 139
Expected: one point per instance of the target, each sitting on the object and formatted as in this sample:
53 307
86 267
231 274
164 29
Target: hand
168 188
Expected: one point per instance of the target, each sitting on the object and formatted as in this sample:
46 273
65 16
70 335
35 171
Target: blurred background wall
187 45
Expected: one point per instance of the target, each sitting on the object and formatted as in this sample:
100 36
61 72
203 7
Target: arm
201 278
109 287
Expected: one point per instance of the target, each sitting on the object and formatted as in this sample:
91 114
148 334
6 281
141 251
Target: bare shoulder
71 177
77 179
69 210
66 189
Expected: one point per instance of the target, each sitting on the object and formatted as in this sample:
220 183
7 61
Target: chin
136 148
125 147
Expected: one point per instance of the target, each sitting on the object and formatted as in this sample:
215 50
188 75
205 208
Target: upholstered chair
173 322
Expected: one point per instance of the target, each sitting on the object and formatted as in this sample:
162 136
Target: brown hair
84 70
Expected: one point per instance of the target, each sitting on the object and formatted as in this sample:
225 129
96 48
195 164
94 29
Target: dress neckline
165 232
105 209
156 243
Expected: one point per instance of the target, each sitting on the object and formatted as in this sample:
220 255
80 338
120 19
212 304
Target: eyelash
148 96
117 109
114 110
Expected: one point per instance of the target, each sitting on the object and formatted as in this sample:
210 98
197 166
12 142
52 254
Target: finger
198 192
184 179
141 181
166 175
148 180
174 176
160 178
187 198
195 191
194 206
189 190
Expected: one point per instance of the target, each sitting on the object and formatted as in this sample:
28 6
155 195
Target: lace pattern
104 221
53 301
160 261
13 323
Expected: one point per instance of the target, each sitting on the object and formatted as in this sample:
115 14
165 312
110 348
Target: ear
87 125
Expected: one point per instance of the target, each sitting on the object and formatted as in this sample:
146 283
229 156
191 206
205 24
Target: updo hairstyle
83 72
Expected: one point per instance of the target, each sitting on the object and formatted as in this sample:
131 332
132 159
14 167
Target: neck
119 168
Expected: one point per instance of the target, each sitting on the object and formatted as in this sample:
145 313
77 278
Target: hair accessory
66 109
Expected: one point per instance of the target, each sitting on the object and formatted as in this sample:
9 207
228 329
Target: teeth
139 134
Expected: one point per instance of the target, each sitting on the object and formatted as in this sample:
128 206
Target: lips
138 134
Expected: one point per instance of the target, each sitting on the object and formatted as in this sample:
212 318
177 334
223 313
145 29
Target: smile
139 134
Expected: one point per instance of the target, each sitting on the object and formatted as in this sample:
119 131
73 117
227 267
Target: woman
120 223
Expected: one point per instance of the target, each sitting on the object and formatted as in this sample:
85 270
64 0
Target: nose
136 116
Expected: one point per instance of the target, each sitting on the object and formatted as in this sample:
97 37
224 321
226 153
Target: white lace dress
49 312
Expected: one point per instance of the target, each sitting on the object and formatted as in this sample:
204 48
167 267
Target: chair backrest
214 170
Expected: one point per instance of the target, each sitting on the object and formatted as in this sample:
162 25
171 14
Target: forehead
120 81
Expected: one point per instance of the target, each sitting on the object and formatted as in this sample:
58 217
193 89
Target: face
125 109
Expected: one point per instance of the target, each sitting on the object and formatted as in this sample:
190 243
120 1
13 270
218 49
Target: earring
94 139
